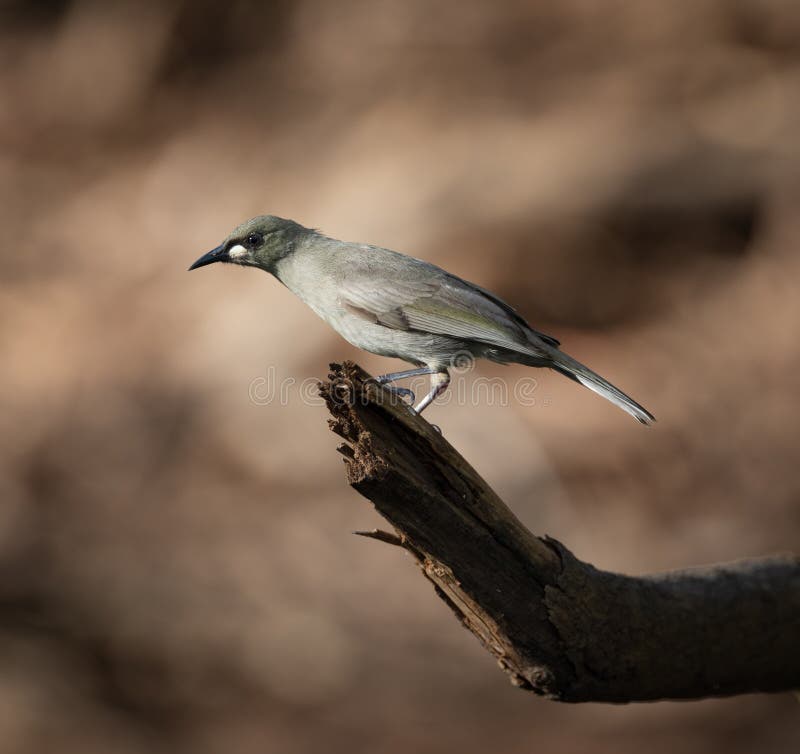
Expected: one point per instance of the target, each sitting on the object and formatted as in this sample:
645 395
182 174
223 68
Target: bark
560 627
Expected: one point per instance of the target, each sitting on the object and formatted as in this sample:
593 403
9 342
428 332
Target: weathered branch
558 626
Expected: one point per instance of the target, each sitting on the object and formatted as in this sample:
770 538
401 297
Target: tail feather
581 374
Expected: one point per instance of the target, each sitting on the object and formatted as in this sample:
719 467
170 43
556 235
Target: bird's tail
581 374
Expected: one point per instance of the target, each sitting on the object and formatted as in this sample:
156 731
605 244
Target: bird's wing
511 312
433 301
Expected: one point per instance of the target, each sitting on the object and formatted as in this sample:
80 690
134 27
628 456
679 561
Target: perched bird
394 305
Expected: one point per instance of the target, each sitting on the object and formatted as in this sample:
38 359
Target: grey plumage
395 305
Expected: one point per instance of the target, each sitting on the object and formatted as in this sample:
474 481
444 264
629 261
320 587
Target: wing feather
434 301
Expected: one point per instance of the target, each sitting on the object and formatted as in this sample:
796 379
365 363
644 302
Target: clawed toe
401 392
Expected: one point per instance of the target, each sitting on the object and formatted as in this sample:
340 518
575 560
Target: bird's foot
435 427
401 392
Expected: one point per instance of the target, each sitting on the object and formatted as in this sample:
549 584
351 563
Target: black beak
215 255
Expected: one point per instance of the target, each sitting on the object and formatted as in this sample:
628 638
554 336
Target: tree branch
560 627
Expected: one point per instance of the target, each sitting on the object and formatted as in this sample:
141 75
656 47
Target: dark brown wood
558 626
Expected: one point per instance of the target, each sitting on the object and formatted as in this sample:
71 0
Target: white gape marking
237 252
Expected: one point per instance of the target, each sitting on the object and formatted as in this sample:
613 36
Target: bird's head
259 242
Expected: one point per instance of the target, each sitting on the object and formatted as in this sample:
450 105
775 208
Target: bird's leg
402 392
439 383
394 376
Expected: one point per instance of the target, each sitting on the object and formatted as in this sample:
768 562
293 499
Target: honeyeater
394 305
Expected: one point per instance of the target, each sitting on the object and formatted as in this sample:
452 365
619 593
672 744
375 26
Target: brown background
176 568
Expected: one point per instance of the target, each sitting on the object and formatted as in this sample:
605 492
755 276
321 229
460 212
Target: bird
398 306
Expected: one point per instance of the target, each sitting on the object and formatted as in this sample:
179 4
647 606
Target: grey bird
394 305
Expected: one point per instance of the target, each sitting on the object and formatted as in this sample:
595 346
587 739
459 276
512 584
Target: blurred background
177 572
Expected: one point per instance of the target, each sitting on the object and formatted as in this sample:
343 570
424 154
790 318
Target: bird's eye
254 240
